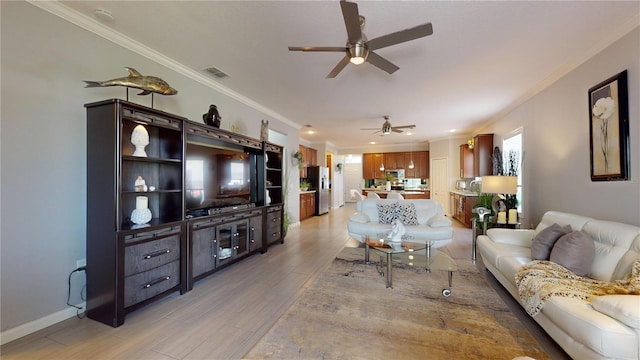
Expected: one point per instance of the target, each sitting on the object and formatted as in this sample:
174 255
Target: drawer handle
156 254
157 281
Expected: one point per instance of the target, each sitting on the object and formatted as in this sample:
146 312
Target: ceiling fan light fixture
358 53
386 128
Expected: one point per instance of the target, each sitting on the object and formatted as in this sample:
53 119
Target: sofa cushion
543 242
575 251
591 328
623 308
407 213
359 218
386 213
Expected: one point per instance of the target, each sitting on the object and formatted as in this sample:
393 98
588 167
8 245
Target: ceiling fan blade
336 70
396 130
403 127
351 21
401 36
371 128
381 63
318 48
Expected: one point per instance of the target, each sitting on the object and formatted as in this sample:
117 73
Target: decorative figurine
264 130
148 84
140 184
212 118
397 231
140 139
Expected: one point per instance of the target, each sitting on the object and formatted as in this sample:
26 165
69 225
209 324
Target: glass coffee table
410 252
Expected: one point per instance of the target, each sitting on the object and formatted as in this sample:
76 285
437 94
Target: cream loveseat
608 326
427 215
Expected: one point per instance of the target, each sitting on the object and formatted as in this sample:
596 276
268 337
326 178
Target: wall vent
216 72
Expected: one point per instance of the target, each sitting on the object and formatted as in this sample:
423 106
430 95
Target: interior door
440 182
352 179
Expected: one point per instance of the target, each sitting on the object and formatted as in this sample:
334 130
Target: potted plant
304 185
300 158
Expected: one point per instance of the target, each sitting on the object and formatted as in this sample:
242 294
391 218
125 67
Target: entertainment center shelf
169 202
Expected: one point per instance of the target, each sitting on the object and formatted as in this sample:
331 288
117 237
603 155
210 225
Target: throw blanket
540 279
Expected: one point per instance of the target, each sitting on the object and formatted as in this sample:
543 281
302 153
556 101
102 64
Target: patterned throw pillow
386 213
407 214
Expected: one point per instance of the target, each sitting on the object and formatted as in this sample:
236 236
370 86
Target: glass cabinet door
225 237
242 238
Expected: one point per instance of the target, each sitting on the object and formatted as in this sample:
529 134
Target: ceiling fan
387 128
359 49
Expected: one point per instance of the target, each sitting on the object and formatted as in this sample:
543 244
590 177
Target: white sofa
608 327
432 224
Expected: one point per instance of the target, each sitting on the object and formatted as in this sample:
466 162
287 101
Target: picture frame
609 129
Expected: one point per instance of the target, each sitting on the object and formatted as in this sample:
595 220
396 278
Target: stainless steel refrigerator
319 178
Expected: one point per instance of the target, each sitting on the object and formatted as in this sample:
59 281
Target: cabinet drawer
273 235
152 234
150 283
148 255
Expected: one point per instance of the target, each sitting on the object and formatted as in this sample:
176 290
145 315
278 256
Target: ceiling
483 59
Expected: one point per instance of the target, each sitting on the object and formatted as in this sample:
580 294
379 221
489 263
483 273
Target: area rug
348 313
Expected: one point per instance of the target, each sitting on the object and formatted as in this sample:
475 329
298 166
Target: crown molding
58 9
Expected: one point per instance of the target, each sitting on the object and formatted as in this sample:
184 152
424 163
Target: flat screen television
218 175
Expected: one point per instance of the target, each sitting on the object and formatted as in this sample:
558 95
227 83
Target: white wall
43 146
556 141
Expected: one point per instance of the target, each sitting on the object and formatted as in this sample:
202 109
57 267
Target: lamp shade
499 184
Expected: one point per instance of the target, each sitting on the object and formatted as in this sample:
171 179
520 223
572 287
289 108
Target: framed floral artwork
609 129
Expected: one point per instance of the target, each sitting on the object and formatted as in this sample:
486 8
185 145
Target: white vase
388 185
140 139
267 198
140 216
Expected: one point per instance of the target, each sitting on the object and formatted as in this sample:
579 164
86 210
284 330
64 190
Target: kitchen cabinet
394 161
466 162
483 155
307 205
310 157
420 164
371 166
461 208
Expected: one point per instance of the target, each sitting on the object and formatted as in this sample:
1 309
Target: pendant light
381 163
411 165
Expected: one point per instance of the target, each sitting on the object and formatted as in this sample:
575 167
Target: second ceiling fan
387 128
359 49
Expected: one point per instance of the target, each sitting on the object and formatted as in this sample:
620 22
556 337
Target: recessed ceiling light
372 143
409 133
311 132
452 130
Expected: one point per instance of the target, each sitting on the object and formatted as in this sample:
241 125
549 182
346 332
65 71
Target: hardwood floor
224 315
221 318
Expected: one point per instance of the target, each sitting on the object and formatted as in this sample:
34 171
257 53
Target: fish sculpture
147 84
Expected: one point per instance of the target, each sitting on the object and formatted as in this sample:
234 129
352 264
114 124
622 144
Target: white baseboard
38 324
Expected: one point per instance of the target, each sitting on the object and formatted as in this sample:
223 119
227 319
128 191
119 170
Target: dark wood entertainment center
215 198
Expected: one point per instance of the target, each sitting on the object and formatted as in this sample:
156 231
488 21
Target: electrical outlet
81 263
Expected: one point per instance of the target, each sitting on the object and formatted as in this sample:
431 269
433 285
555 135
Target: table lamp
499 185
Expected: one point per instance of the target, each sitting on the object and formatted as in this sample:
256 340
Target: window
237 173
512 158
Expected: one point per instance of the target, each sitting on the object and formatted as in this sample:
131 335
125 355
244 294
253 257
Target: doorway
440 182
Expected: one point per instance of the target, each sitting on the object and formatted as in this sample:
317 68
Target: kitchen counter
464 192
407 194
307 192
